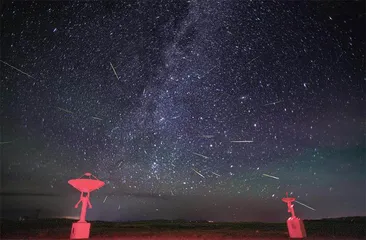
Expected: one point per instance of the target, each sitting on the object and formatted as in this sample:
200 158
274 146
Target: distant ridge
355 218
71 218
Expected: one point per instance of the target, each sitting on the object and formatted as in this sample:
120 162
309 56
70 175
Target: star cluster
186 109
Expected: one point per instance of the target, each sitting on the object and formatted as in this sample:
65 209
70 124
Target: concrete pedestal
80 230
296 228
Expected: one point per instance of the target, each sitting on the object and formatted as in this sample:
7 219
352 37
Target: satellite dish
86 185
81 229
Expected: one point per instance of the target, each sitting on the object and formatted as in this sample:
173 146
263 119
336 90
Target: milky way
186 109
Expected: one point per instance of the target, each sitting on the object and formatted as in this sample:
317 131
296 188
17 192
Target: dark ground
343 228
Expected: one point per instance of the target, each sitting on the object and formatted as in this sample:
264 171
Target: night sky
186 109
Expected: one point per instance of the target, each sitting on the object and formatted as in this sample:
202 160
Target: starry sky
186 109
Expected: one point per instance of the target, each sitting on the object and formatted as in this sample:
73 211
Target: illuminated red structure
295 225
81 229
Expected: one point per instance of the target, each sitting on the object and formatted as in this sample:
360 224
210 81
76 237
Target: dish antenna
295 225
81 229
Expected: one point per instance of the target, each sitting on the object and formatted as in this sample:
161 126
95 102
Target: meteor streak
205 157
207 136
253 60
114 70
96 118
17 69
266 175
244 141
198 173
272 103
65 110
305 205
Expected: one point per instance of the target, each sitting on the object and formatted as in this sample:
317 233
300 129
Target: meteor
266 175
198 173
216 174
114 70
65 110
207 136
96 118
17 69
253 59
205 157
272 103
305 205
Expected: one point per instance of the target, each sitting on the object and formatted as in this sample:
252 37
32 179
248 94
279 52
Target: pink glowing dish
288 199
81 229
86 184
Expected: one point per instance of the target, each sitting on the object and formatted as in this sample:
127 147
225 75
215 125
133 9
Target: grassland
343 228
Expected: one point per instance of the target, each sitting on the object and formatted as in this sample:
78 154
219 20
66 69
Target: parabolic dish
86 185
288 199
